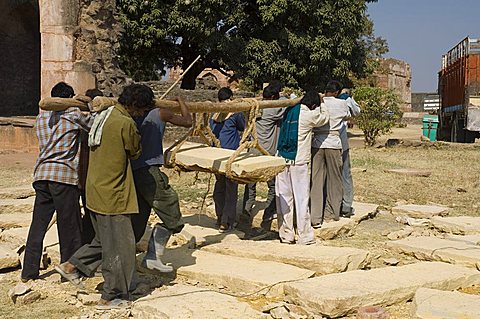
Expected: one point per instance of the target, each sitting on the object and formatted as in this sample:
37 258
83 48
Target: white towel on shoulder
95 135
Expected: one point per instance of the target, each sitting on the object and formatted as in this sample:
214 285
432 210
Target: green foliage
303 43
380 111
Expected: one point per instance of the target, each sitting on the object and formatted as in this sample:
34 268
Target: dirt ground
454 182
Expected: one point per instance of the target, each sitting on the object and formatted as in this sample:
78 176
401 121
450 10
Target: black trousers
249 198
51 197
114 248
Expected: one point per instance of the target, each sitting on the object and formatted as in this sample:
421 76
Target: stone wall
19 58
396 75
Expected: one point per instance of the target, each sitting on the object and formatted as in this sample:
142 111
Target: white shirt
307 120
328 135
354 110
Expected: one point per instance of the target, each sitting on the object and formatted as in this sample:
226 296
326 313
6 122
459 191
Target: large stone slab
18 192
10 206
8 258
241 275
461 225
206 235
195 155
321 259
8 221
338 295
438 249
186 302
471 239
420 211
18 236
437 304
364 211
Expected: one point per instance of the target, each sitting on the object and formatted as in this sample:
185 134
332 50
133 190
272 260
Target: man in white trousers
293 184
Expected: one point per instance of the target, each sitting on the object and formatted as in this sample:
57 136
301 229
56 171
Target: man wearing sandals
112 199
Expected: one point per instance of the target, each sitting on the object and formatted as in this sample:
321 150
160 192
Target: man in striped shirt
56 181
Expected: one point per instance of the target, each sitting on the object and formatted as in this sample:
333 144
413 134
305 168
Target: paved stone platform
420 211
461 225
237 274
318 258
437 304
338 295
438 249
186 302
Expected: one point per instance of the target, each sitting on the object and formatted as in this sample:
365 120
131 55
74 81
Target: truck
459 91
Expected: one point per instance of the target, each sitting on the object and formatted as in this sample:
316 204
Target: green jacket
110 189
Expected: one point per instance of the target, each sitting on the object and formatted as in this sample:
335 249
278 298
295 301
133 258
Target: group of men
316 185
123 183
111 158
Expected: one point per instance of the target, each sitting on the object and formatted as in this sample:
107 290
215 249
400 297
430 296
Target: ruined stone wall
396 75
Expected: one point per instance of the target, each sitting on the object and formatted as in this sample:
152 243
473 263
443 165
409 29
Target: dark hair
311 99
137 95
62 89
333 86
224 94
93 93
272 91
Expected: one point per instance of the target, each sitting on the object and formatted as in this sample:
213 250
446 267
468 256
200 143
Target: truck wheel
457 133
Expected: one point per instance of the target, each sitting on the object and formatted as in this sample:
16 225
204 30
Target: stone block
461 225
186 302
195 155
364 211
338 295
437 304
334 229
57 47
10 206
18 236
206 235
8 221
237 274
420 211
8 258
318 258
438 249
58 13
19 192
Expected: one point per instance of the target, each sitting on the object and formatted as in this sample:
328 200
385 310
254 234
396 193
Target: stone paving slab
364 211
237 274
15 220
461 225
187 302
18 236
471 239
420 211
18 192
438 249
338 295
206 235
318 258
10 206
8 258
437 304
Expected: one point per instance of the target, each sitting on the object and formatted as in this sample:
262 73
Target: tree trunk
189 81
189 54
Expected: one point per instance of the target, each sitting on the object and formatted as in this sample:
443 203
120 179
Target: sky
420 31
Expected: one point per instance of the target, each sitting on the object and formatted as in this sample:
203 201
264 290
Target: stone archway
19 57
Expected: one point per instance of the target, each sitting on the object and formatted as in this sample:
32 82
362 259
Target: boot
156 246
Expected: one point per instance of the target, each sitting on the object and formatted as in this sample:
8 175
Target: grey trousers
326 190
114 248
225 197
347 183
250 195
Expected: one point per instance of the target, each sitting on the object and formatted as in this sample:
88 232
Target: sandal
113 304
74 277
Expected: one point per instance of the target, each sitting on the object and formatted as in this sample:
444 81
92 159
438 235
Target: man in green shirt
111 196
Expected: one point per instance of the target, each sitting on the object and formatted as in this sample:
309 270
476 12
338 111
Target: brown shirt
110 188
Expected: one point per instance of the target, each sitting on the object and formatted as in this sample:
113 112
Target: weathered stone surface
8 221
18 236
364 211
241 275
321 259
28 298
331 230
420 211
186 302
338 295
10 206
8 258
214 159
17 192
471 239
206 235
437 304
438 249
409 172
88 299
462 225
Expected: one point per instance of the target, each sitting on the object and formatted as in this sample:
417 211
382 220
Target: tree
380 112
304 43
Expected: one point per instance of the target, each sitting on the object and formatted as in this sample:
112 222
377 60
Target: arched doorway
19 57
